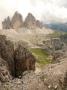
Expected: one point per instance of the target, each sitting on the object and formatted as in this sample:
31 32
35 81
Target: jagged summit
17 22
6 24
30 21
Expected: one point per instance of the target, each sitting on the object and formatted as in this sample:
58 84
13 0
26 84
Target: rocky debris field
52 77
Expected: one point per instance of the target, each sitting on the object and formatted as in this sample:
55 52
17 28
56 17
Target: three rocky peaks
17 22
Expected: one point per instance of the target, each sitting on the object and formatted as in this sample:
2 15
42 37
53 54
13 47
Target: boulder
24 60
17 21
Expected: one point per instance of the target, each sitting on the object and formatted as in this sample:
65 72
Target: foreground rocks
24 60
16 70
18 60
7 52
4 71
52 77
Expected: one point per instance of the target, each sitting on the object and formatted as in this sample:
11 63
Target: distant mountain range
57 26
17 22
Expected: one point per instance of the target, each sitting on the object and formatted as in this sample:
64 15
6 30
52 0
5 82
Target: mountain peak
17 22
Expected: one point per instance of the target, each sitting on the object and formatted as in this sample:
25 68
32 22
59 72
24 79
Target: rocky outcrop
24 60
17 21
56 48
6 24
7 52
4 71
54 75
18 60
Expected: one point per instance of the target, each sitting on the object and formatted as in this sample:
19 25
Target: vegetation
57 34
41 55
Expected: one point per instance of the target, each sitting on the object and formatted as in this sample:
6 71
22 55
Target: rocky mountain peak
17 20
6 24
30 21
30 17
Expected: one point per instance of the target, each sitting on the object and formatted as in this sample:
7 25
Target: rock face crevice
18 60
24 60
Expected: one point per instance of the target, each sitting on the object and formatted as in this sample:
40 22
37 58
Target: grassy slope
57 34
41 56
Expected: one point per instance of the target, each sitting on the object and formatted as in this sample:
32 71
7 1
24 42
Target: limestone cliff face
17 21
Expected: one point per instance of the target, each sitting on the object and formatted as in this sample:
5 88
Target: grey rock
6 24
7 52
17 21
24 60
4 71
30 21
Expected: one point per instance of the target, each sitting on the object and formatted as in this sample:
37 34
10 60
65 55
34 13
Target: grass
41 56
57 34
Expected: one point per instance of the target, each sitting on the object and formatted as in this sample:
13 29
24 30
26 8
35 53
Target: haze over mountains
57 26
17 22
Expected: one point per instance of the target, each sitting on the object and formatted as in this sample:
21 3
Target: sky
45 10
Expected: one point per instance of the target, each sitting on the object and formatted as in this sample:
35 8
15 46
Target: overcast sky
41 9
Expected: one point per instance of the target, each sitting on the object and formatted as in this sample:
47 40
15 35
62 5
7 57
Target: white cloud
40 8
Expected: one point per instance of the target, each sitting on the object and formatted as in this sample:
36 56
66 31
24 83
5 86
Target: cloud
41 9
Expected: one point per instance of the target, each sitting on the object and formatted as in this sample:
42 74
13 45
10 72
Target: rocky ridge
17 22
